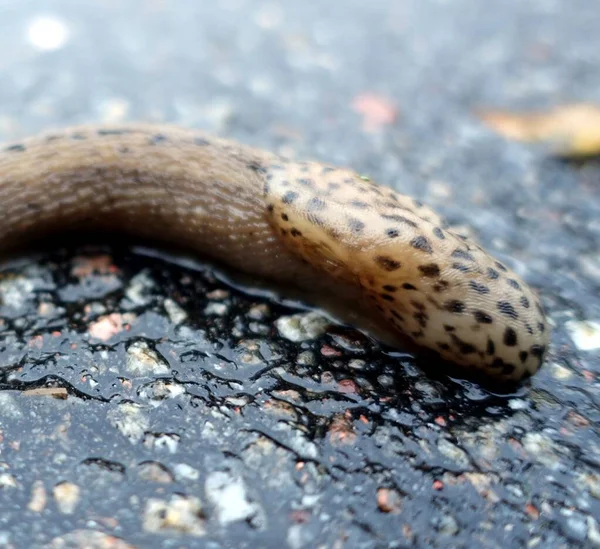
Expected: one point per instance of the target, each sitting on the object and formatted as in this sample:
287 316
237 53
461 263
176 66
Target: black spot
401 219
529 328
256 167
158 138
417 203
332 186
421 318
479 288
463 347
497 363
417 305
493 273
507 309
392 233
439 233
462 268
508 369
443 346
491 348
124 150
289 197
449 328
441 286
390 288
15 148
305 182
295 232
541 327
482 317
270 208
538 350
500 266
358 204
397 315
201 141
461 254
387 263
510 337
408 286
421 243
523 356
50 138
327 169
387 297
316 204
455 306
356 225
512 282
524 302
429 270
418 334
285 217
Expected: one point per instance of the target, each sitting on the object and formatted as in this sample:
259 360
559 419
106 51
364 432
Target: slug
301 223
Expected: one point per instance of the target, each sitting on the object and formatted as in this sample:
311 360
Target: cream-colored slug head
438 288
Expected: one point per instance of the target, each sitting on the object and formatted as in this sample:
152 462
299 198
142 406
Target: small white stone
585 334
130 420
67 496
141 360
215 309
180 514
183 471
175 312
303 326
228 495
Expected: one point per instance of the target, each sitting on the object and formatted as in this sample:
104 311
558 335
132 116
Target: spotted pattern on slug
434 286
293 222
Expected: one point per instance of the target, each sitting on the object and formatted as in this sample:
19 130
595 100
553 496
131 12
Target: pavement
145 402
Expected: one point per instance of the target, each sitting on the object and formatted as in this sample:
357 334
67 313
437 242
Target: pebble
228 495
302 326
154 471
88 539
130 419
176 314
66 495
179 514
141 360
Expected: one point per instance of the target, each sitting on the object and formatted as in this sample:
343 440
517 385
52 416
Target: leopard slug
303 223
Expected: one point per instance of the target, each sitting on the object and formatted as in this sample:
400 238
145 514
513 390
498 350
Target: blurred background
160 437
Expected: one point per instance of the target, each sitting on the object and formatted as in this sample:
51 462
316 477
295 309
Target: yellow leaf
570 130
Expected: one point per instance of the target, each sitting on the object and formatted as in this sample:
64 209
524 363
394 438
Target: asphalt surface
146 403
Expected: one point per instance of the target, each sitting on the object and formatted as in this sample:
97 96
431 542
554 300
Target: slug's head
432 285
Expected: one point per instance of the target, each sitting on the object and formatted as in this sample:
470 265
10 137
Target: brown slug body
293 222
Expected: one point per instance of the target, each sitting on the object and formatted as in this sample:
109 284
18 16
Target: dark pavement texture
188 414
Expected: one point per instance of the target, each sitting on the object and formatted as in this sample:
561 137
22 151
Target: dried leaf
56 392
572 131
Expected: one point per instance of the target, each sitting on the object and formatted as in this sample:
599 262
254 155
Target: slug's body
302 223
